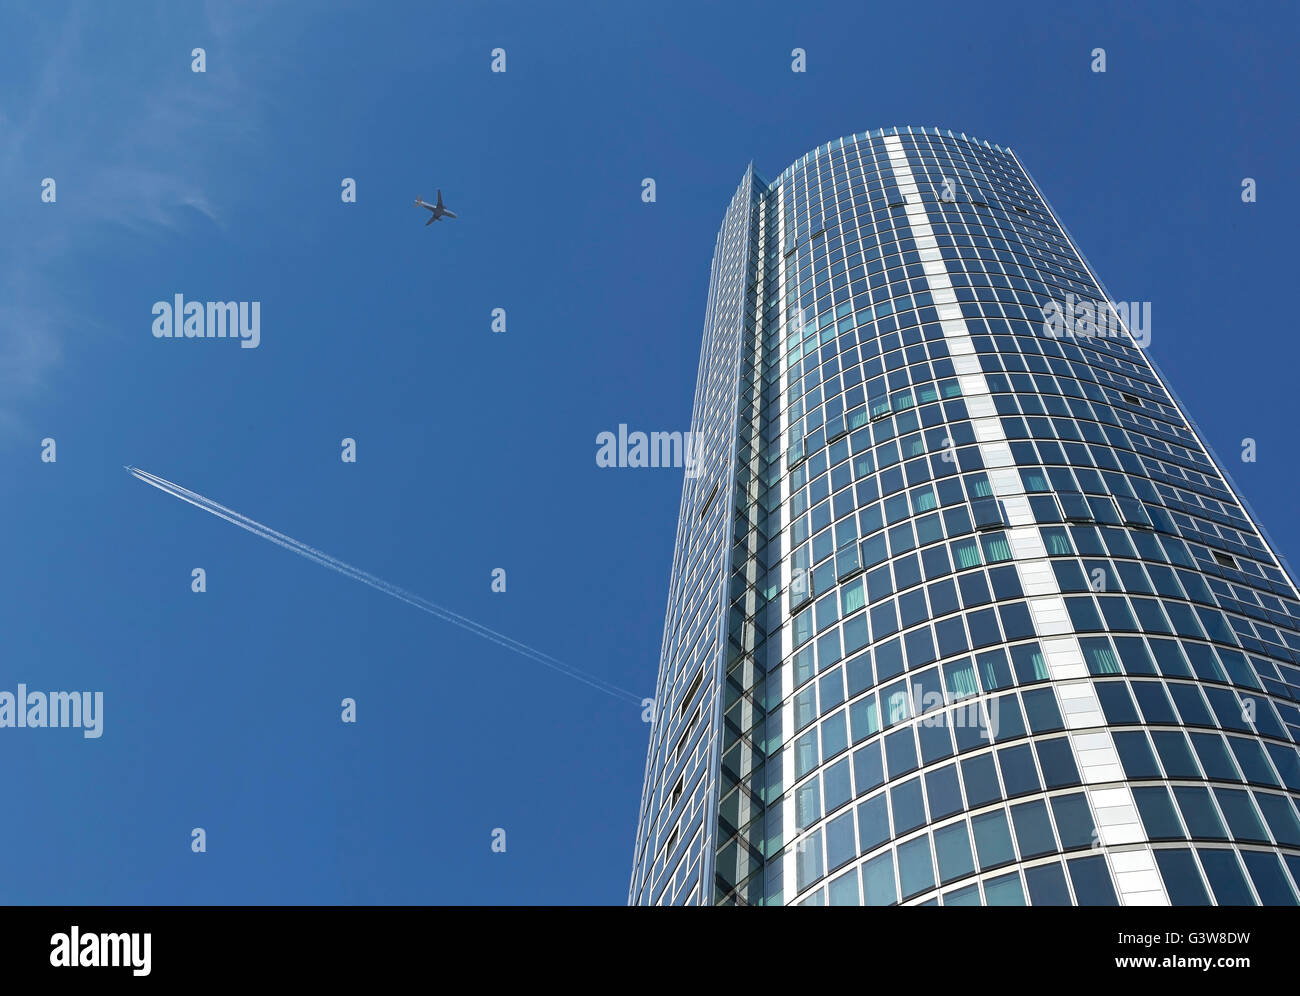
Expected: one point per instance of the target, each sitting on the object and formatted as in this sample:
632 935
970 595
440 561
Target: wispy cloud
128 149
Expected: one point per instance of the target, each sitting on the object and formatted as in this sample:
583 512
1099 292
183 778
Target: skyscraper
962 610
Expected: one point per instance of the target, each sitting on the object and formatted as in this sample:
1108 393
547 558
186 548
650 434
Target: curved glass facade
962 610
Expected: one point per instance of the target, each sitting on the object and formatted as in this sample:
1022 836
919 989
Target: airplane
438 210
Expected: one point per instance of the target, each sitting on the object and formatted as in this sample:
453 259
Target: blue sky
476 450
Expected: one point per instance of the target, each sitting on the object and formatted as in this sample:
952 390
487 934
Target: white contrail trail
379 584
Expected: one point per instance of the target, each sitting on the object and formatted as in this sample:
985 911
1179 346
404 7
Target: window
1181 876
1091 880
944 792
1057 761
900 752
1157 812
908 805
808 860
1226 879
1029 665
992 840
1199 812
1046 885
1281 817
1033 829
690 692
878 881
1269 879
843 891
952 849
840 845
1135 755
915 868
967 895
981 778
1224 559
1004 891
1116 703
1240 814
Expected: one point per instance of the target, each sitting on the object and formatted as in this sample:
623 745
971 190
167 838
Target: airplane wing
432 219
439 198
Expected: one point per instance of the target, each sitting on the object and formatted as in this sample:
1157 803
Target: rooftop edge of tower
836 143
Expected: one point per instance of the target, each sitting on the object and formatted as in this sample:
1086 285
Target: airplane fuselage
436 210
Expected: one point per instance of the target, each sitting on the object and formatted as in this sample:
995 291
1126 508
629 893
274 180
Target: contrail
379 584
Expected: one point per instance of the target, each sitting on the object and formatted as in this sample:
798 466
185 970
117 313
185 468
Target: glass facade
962 609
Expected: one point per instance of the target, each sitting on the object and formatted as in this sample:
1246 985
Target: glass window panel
835 735
1227 709
1004 890
878 881
1056 758
897 703
1135 754
993 669
900 752
1281 817
1005 719
1029 664
1102 660
959 676
1240 813
908 804
1116 703
1287 762
1091 880
1046 885
1073 820
1226 879
981 779
967 895
1181 877
915 867
1213 755
944 792
952 849
873 823
992 839
1191 706
1157 812
1174 753
1134 655
808 860
1199 812
843 891
864 718
1169 657
1253 764
1269 878
1154 703
808 802
837 785
805 754
935 737
868 772
840 845
1019 774
1041 710
1033 829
